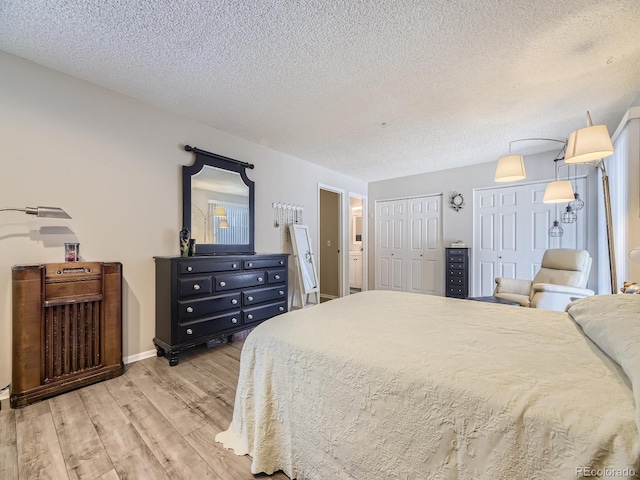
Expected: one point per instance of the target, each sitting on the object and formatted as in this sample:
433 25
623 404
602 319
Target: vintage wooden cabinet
204 298
67 328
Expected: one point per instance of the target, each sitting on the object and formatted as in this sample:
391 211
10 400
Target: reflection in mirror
304 254
217 204
357 229
220 207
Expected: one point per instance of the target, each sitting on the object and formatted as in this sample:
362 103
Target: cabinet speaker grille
72 338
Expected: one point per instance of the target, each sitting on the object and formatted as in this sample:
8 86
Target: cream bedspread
388 385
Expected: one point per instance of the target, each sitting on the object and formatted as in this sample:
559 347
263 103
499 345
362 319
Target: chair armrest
556 297
512 285
563 289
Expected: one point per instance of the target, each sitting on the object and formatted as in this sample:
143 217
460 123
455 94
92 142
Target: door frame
342 227
365 237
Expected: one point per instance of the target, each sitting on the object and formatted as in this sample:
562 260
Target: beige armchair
562 278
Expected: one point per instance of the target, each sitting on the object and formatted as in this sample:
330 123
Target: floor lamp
591 145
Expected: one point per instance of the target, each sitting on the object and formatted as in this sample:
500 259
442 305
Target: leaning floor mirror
307 283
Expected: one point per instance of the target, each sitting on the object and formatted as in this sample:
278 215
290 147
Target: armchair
562 278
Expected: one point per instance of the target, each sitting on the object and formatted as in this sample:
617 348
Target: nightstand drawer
456 273
457 266
459 281
457 251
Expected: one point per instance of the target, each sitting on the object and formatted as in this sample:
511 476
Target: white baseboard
139 356
4 395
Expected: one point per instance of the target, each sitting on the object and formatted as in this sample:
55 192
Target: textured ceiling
374 89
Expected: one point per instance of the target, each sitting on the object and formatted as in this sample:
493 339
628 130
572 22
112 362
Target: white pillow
613 323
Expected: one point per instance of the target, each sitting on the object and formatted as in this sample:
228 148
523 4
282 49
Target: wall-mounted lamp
586 145
220 211
45 212
223 223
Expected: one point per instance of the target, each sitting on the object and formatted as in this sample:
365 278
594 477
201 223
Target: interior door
391 219
511 232
409 253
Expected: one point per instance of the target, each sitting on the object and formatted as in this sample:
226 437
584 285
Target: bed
391 385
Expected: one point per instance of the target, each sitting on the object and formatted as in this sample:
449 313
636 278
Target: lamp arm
609 223
13 209
536 139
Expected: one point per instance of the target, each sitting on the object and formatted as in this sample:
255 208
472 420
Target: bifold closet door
409 254
511 232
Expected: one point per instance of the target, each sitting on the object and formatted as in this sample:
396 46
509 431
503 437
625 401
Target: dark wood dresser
67 328
457 278
205 298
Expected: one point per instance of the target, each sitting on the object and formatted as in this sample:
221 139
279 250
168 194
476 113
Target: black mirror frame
202 159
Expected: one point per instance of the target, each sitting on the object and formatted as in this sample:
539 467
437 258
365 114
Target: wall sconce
220 212
43 212
223 223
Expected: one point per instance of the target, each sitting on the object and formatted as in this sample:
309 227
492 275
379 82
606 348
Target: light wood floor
154 421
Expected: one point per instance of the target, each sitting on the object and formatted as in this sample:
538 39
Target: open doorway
330 244
357 244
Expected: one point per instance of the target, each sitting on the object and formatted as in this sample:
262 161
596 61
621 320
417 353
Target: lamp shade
220 212
510 168
588 144
559 191
634 255
224 223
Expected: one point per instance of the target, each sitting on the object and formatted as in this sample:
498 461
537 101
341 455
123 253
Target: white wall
114 164
459 225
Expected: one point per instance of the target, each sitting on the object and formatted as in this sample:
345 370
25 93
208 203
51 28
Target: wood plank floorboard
152 422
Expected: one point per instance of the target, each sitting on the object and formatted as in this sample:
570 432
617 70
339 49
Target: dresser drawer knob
189 269
281 309
222 284
196 287
189 331
259 279
280 292
189 309
281 262
234 320
250 264
235 265
250 298
277 277
234 301
250 317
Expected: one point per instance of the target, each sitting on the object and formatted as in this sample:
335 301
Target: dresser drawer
263 263
276 276
251 297
456 259
240 280
457 251
213 265
257 314
194 286
456 273
191 331
456 266
189 309
451 290
457 281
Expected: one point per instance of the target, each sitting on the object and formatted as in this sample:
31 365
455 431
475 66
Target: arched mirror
217 204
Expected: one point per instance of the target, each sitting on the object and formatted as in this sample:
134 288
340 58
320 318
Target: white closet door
409 253
511 232
391 221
